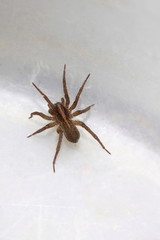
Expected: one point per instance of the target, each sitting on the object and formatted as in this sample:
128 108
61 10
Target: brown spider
61 115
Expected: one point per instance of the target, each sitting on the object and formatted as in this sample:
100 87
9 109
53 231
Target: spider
62 115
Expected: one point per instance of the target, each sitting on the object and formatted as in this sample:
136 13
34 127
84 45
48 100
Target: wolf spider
61 116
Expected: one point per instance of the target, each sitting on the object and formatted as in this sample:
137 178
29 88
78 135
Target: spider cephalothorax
61 116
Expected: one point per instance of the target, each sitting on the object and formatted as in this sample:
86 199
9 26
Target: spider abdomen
71 133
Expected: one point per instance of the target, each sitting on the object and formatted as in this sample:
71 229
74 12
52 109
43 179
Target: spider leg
42 115
60 132
63 101
74 104
44 96
78 112
82 124
49 125
65 87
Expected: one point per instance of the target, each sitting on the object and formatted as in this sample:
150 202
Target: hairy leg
63 101
42 115
50 104
60 132
74 104
78 112
82 124
65 87
49 125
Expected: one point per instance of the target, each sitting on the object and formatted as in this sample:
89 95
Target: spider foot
29 136
107 151
54 170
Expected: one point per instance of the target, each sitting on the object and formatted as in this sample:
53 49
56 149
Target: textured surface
92 195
